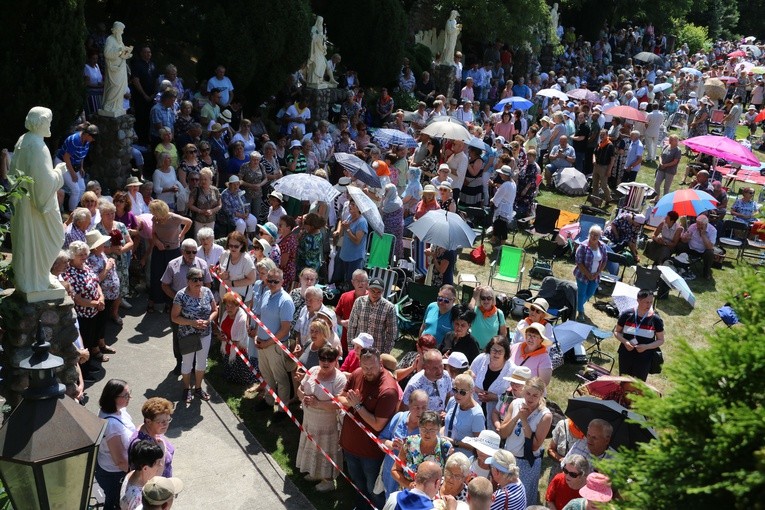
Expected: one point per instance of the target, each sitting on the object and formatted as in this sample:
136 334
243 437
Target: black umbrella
582 410
648 57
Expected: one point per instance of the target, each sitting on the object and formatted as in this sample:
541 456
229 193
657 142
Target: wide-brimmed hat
487 442
225 115
159 490
94 238
429 188
277 195
216 127
541 304
505 170
133 181
269 228
502 460
265 245
364 340
445 185
342 183
295 144
457 360
389 363
538 328
598 488
520 375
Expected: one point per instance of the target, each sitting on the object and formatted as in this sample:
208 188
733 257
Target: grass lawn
281 440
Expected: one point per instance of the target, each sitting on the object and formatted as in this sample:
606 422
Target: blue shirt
634 152
273 310
351 251
437 324
76 148
163 116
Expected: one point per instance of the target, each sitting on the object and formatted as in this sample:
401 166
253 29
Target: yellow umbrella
757 70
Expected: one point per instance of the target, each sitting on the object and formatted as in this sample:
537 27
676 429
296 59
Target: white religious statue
316 66
116 55
37 233
450 39
553 32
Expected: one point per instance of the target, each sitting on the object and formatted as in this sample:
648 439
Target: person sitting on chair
700 239
665 239
561 156
623 233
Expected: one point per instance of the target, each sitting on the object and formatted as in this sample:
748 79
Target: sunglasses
196 279
274 282
370 350
486 298
326 359
571 473
443 299
190 252
459 392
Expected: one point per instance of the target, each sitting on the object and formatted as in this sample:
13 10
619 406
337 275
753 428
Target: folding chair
542 263
647 278
598 336
728 238
508 267
545 220
715 122
410 308
380 250
389 278
418 258
586 221
754 252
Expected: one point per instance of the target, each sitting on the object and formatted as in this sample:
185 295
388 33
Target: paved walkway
221 464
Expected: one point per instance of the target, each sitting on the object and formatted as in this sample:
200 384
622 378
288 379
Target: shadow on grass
278 439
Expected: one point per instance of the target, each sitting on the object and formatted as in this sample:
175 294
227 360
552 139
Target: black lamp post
48 444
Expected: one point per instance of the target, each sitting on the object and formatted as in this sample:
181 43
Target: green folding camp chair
509 266
380 250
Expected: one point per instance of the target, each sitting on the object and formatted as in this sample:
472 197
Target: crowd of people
465 412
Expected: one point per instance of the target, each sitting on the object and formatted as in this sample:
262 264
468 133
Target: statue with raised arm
317 60
37 233
116 55
450 39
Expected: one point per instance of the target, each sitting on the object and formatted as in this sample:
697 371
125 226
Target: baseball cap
376 283
159 490
457 360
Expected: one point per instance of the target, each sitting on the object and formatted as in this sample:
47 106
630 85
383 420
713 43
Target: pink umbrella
728 79
722 147
737 53
584 95
627 112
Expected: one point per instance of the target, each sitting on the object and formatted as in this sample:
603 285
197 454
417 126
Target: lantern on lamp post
48 444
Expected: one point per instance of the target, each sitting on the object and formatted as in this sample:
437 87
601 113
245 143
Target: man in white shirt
298 115
222 82
427 481
655 121
465 114
458 163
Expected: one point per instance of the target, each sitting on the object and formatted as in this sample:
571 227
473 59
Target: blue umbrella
388 137
445 229
518 103
359 168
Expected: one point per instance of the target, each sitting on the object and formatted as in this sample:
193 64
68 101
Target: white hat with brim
487 442
520 375
94 238
541 304
540 330
364 340
501 460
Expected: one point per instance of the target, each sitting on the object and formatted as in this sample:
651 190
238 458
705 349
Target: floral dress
310 251
119 235
111 283
195 309
205 201
85 284
190 169
288 246
527 177
415 457
701 118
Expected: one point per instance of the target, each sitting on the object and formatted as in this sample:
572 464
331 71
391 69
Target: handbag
555 356
190 343
478 255
657 360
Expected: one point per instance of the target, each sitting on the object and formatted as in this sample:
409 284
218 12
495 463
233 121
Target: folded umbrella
449 128
445 229
306 187
388 137
722 147
518 103
367 208
359 168
627 112
627 433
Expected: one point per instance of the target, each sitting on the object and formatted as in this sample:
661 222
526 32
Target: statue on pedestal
116 55
553 32
37 232
450 38
316 66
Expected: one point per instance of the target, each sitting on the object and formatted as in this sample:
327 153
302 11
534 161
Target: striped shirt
510 497
643 328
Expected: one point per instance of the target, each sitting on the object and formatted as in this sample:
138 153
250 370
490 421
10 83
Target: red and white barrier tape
380 444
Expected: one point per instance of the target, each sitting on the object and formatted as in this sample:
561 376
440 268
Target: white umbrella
750 39
367 208
756 52
479 144
677 282
306 187
661 87
570 181
570 334
449 128
553 93
445 229
625 296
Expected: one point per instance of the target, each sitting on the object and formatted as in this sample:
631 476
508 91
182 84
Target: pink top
534 362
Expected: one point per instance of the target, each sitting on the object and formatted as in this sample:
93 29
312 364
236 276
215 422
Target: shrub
696 37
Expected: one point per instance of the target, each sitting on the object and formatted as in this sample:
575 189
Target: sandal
107 350
99 356
188 397
202 394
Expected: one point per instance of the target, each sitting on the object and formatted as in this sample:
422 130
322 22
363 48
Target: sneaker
124 304
310 478
325 486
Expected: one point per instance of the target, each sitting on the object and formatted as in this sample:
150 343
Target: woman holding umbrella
354 233
640 332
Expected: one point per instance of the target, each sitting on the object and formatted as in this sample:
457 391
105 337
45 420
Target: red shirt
343 312
559 493
380 398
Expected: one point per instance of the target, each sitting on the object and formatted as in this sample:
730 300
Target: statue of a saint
116 55
37 232
553 32
317 60
450 38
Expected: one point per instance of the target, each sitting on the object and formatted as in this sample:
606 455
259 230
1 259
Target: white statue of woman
37 233
116 55
450 38
317 61
554 23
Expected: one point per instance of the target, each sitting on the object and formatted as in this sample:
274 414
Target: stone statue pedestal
444 80
55 293
320 86
107 113
20 321
321 100
110 154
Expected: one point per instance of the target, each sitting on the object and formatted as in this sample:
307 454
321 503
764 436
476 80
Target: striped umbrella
388 137
685 202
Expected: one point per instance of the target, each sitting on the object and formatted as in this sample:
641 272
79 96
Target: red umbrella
737 53
627 112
